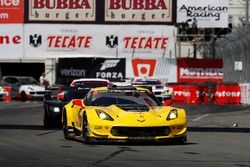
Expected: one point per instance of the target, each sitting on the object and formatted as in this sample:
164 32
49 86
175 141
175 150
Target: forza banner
107 41
161 68
11 41
203 13
73 68
11 11
199 70
61 10
158 11
111 69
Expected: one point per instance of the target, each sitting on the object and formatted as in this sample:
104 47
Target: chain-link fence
235 49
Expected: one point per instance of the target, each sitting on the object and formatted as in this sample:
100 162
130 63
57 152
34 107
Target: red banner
199 70
11 11
227 94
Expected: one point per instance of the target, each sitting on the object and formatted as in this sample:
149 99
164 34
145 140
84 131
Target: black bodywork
52 107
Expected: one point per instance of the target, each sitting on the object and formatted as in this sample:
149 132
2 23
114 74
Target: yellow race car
123 114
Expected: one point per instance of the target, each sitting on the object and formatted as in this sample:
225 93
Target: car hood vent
133 107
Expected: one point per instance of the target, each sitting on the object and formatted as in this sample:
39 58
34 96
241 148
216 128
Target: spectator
43 81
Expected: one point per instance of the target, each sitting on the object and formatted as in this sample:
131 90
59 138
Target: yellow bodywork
99 128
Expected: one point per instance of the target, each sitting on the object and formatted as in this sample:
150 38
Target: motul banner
11 11
203 13
199 70
160 11
163 69
109 41
61 10
11 41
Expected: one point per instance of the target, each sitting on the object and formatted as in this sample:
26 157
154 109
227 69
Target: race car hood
32 87
154 116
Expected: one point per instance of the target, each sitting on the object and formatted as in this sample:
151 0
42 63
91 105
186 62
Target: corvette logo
35 40
141 120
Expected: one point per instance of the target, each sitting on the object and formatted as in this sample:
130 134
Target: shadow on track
219 129
25 127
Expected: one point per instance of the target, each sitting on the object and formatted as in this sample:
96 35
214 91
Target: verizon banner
163 69
11 41
69 69
199 70
160 11
61 10
109 41
11 11
203 13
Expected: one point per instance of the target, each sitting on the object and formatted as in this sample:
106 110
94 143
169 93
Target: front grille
140 131
38 93
157 93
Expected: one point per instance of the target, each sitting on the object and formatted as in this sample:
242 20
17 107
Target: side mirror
168 102
77 102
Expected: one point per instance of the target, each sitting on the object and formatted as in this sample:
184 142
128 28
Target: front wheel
85 129
23 96
65 126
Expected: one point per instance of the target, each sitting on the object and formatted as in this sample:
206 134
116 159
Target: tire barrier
206 93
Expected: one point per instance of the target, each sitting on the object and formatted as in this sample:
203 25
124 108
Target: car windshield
141 82
28 80
75 94
124 98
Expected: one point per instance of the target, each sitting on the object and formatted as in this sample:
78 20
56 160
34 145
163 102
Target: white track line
197 119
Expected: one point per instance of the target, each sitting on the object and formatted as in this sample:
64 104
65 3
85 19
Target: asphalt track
217 136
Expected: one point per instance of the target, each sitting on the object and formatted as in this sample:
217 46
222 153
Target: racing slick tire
85 129
23 96
47 122
181 140
65 127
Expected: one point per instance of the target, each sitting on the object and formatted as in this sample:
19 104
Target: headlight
103 115
173 114
55 109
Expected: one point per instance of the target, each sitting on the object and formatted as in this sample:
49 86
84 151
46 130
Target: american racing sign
62 10
138 11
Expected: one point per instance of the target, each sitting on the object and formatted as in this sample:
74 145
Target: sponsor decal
109 75
227 94
71 72
112 41
201 73
62 10
11 11
203 13
143 68
69 41
145 42
35 40
138 10
109 64
6 39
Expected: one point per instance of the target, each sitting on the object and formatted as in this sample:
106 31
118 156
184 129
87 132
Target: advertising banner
61 11
11 41
72 68
109 41
11 11
161 68
203 13
158 11
199 70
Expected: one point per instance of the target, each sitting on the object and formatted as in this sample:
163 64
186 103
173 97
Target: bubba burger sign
199 70
62 10
138 10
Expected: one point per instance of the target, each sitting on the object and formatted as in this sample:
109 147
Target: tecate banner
164 69
11 11
109 41
139 11
203 13
11 41
200 70
62 10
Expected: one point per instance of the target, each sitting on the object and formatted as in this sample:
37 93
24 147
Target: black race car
55 99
